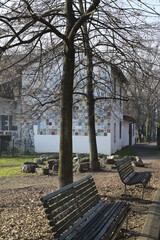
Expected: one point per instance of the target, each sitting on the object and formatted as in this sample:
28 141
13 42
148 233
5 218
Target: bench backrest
125 168
66 205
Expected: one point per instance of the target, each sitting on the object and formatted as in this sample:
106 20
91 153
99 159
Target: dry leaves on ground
23 217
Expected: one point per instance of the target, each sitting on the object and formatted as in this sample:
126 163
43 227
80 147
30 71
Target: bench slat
79 232
124 165
115 226
102 220
67 187
71 197
62 195
142 177
77 213
92 229
74 218
125 162
124 168
92 212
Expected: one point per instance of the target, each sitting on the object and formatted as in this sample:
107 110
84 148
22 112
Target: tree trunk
66 101
94 164
158 135
65 154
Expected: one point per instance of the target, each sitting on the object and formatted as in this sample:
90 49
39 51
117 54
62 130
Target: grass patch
15 162
126 151
10 172
11 166
154 151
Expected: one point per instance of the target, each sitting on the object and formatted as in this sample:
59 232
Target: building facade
29 125
113 131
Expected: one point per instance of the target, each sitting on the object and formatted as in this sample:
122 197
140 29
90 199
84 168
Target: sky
153 4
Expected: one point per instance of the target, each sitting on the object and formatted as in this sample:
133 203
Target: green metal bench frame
131 177
76 211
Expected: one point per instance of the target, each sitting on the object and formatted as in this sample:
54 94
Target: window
120 93
114 88
120 129
133 130
114 132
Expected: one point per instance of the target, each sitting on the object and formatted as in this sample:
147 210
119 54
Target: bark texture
65 167
94 164
65 153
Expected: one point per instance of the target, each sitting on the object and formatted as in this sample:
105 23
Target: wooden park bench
131 177
76 211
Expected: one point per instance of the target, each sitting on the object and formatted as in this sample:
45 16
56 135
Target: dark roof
18 61
8 89
11 68
117 71
129 119
5 137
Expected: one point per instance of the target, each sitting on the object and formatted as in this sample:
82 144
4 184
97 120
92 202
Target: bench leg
143 192
149 182
125 189
127 222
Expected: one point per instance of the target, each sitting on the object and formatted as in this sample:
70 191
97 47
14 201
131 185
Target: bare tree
34 24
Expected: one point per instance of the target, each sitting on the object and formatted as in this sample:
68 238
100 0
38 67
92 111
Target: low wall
50 143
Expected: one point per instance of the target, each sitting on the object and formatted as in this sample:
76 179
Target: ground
23 217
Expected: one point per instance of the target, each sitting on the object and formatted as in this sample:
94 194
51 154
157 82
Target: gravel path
22 216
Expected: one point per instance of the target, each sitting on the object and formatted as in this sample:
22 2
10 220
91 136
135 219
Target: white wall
125 134
124 141
116 145
81 144
116 117
134 135
45 143
50 143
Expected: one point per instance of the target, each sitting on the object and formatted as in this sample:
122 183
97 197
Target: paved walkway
147 151
151 229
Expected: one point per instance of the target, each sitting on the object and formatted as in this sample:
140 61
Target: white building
113 130
39 132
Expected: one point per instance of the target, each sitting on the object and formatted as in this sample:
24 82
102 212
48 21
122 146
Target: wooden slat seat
131 177
76 211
